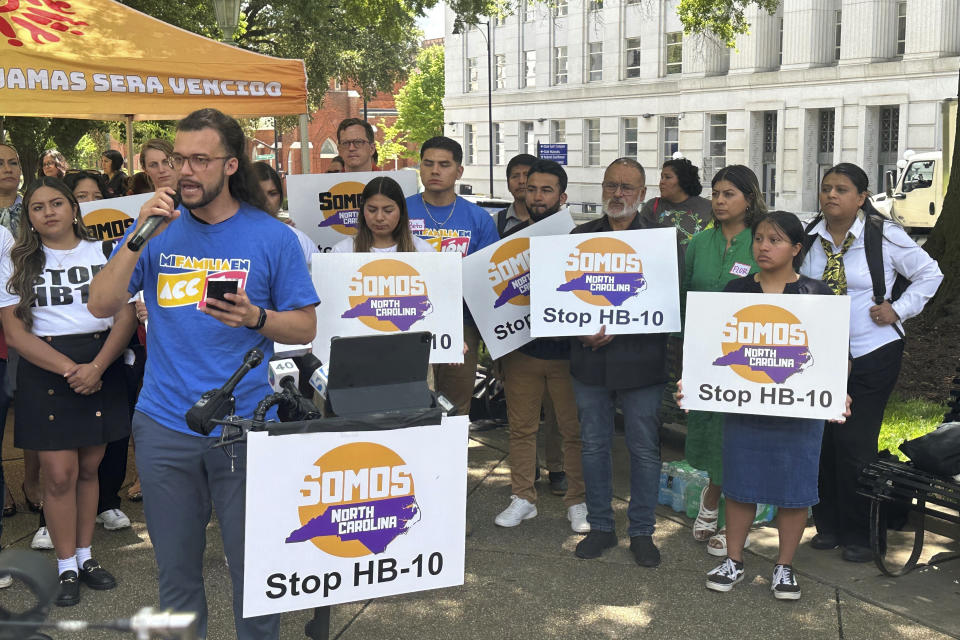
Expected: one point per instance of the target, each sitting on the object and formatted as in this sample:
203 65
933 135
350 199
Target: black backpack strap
808 240
873 247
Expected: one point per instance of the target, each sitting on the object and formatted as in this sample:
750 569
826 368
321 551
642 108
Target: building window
336 85
674 52
631 61
838 19
472 75
501 71
671 136
769 132
526 138
591 132
595 5
717 144
558 131
825 129
529 77
559 65
780 46
498 154
629 138
595 62
889 129
901 28
470 144
560 9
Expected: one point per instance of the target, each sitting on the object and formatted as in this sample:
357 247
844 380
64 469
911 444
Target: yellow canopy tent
101 60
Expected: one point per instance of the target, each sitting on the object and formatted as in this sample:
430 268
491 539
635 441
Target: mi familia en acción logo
388 295
341 206
185 278
764 343
603 272
509 273
358 502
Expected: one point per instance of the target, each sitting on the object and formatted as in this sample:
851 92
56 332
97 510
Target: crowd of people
82 365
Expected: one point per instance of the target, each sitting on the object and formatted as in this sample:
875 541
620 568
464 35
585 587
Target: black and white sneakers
724 576
784 583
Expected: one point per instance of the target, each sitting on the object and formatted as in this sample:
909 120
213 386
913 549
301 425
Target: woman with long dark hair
837 255
71 391
383 224
272 188
715 256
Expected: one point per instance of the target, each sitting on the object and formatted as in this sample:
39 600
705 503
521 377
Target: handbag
937 452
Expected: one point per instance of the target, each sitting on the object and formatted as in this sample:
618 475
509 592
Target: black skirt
50 416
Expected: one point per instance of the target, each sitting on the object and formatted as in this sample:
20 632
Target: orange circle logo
341 206
604 272
764 343
365 499
388 295
107 224
509 273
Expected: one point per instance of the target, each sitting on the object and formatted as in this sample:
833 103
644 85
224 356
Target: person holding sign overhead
838 255
715 256
769 459
384 226
631 369
543 364
450 223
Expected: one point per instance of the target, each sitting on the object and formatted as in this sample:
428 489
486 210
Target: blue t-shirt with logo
189 352
461 226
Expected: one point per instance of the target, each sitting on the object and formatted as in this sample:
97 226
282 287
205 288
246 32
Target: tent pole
304 144
130 144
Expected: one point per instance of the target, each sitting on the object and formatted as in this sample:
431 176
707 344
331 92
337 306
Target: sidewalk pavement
525 582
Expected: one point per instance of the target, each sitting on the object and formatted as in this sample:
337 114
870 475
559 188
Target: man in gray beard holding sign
630 368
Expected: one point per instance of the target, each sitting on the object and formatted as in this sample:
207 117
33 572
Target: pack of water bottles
681 486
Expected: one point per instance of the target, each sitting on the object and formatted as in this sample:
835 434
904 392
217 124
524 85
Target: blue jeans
182 478
596 406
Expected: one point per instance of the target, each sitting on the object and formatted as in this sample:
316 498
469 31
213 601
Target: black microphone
219 403
149 227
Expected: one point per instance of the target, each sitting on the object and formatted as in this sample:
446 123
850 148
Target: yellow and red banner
99 59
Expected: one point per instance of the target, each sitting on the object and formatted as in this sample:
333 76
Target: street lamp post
228 16
490 104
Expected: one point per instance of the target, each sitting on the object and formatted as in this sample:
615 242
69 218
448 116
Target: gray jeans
182 478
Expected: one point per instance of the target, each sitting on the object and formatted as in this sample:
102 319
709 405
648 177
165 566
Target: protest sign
366 294
766 354
625 281
325 206
496 285
109 219
350 516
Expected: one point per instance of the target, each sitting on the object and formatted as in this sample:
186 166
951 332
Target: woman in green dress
715 256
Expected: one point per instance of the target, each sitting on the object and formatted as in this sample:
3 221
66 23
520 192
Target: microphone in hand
149 227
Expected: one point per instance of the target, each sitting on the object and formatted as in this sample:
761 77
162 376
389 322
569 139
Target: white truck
915 198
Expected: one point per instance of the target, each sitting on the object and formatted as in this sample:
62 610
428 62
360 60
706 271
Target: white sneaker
518 511
6 581
577 515
41 540
113 519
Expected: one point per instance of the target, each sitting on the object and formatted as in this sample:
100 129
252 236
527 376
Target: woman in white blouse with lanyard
837 256
71 397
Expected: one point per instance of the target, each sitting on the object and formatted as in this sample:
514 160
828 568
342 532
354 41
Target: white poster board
353 515
369 294
109 219
626 281
766 354
325 206
496 285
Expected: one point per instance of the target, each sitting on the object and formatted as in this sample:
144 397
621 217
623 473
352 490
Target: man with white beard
631 368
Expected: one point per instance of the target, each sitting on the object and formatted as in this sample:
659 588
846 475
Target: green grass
908 418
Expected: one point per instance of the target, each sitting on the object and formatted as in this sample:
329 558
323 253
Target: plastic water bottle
765 513
679 484
694 489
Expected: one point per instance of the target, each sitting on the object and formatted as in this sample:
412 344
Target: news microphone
318 382
283 377
219 403
149 227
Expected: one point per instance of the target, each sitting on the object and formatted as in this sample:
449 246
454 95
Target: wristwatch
261 320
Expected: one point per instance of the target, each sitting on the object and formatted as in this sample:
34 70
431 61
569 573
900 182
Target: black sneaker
784 583
96 577
725 575
558 482
69 590
595 543
644 551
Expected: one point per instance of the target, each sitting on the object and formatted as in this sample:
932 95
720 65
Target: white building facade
818 82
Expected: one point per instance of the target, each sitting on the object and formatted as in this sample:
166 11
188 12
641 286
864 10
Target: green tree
393 146
32 136
420 101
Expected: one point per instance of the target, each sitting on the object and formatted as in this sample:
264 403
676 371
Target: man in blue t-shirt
195 342
450 223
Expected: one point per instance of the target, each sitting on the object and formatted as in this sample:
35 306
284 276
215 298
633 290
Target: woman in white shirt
837 256
71 396
383 226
